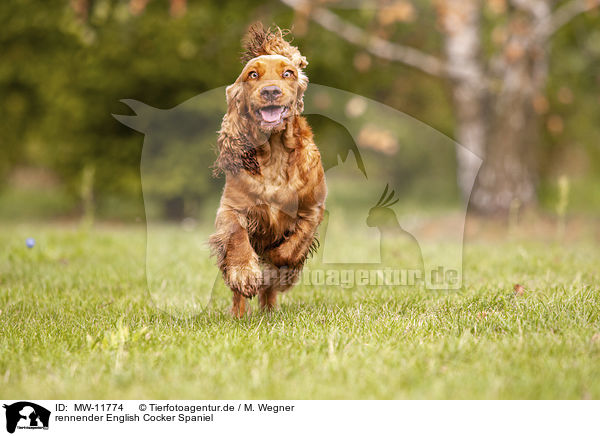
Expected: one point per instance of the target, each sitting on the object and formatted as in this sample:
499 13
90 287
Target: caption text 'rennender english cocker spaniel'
274 195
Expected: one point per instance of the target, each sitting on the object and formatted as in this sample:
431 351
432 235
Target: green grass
76 321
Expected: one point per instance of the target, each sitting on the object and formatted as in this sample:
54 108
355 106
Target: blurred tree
495 89
66 65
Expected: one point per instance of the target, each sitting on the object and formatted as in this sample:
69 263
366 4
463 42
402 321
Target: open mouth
272 115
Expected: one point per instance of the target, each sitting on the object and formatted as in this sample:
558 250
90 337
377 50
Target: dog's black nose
270 93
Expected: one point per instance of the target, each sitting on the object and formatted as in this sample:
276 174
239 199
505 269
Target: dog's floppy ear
237 150
302 85
233 95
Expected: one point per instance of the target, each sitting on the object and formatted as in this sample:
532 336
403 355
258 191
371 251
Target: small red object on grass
519 290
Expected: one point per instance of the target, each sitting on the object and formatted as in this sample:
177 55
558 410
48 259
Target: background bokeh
65 66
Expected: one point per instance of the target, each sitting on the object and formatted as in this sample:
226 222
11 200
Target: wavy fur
274 195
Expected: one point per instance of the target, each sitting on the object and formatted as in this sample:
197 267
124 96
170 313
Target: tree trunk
492 99
507 178
460 21
498 124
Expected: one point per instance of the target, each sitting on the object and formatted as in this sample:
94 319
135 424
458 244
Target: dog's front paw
244 279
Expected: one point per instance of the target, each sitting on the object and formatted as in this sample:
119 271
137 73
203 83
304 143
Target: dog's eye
288 73
253 75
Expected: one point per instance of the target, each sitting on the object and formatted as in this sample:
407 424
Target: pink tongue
271 114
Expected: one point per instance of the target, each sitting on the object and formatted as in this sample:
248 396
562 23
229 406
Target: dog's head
264 98
271 86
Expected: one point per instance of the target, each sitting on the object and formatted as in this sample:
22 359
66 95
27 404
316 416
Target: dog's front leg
294 250
236 258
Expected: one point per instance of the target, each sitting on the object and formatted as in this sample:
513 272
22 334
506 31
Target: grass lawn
76 321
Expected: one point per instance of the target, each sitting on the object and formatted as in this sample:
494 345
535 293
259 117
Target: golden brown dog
274 195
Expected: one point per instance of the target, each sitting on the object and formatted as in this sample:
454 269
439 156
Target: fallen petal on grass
519 290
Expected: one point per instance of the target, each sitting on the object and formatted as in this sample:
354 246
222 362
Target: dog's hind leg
267 294
268 298
282 279
239 307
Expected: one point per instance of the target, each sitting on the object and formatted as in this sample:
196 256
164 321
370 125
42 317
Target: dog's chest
279 187
274 169
277 170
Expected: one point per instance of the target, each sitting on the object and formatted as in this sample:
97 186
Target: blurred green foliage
61 78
